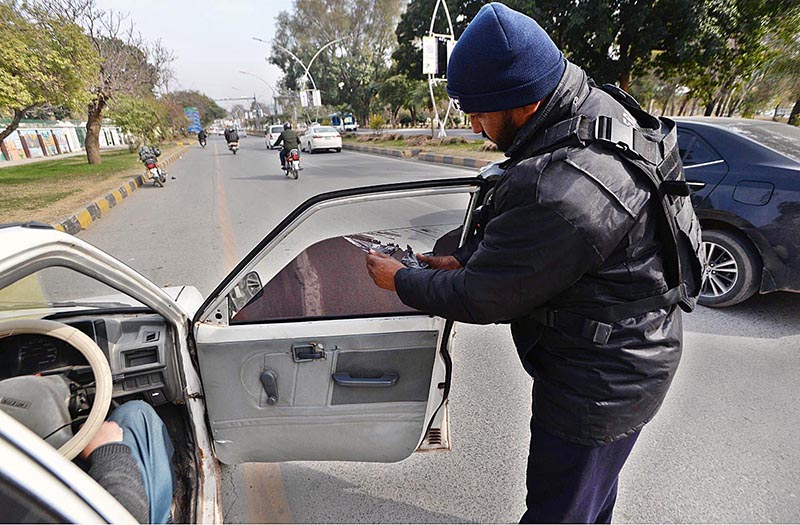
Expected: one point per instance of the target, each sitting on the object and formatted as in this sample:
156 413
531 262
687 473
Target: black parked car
746 180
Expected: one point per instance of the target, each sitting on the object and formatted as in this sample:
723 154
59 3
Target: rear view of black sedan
745 176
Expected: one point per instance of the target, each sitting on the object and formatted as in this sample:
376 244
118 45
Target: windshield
59 287
325 129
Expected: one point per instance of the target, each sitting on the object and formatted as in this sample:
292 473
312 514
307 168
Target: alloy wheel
720 272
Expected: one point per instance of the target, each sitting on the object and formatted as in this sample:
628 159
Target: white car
271 136
319 138
296 355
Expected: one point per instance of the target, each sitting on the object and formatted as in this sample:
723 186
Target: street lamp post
305 67
274 93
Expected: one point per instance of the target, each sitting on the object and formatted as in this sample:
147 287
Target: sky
212 41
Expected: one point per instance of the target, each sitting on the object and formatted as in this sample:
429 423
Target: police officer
575 250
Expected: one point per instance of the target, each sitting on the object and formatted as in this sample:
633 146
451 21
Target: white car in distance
272 135
318 138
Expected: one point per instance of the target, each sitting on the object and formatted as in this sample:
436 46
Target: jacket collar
570 93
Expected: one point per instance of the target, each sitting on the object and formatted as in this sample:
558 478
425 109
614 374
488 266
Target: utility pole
305 67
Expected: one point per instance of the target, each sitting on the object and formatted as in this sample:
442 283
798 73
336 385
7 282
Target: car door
703 167
38 485
302 357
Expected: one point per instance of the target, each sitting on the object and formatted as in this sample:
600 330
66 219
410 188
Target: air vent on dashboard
140 356
151 337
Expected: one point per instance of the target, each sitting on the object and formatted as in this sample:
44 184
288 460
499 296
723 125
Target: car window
319 269
325 129
276 129
685 140
58 287
698 152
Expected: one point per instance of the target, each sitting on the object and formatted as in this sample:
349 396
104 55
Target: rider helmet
287 125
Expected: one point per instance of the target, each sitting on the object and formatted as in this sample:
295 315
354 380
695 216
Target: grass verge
52 189
456 146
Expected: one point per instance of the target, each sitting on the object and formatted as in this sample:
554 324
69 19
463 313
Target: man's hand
109 432
440 262
382 269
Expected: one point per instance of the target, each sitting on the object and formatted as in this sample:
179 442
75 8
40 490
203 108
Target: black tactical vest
652 148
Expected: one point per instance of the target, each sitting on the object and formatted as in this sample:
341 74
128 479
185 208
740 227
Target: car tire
733 269
338 150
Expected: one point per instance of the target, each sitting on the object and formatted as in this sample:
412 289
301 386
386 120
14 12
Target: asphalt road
724 448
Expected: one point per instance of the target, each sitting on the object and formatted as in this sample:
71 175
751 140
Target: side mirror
243 292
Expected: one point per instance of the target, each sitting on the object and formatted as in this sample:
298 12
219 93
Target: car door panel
308 402
320 364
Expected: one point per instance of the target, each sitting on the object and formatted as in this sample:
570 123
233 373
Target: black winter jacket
573 229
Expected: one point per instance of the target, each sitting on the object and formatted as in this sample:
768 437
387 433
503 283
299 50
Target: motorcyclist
148 152
290 141
231 135
202 135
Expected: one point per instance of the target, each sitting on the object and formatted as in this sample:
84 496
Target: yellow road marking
266 499
264 492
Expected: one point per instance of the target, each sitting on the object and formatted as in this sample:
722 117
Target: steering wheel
96 359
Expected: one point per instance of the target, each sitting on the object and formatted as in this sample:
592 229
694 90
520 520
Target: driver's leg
282 155
145 434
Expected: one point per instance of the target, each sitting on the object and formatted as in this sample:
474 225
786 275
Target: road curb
82 218
435 158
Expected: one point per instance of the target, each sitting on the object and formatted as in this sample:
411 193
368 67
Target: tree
128 65
397 92
611 39
735 41
208 109
350 71
143 117
44 60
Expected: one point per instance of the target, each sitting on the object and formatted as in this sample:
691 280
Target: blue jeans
145 434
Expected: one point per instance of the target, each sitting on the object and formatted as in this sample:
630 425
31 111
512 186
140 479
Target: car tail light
317 137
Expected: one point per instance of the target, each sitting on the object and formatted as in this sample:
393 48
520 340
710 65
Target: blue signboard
194 119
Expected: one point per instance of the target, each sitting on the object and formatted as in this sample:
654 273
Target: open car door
302 357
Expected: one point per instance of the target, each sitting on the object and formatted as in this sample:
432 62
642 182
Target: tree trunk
666 104
683 105
93 122
625 80
734 106
18 113
694 107
794 116
775 115
710 107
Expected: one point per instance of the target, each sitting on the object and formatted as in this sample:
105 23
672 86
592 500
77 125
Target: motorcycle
202 143
156 174
292 166
149 157
233 146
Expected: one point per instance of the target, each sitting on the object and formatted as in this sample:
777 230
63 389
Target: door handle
386 380
307 352
695 185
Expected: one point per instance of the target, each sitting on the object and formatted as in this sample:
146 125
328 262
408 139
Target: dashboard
139 348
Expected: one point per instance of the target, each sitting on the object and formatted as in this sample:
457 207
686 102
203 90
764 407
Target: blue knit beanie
503 60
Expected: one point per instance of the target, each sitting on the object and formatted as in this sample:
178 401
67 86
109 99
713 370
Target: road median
420 155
